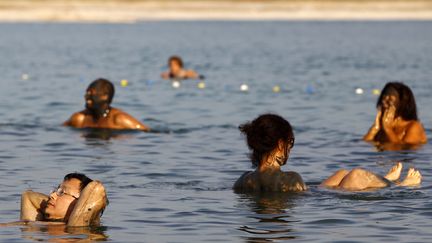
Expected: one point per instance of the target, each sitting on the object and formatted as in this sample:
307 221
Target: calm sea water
174 184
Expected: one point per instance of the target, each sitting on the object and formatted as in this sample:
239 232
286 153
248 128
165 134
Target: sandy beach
117 11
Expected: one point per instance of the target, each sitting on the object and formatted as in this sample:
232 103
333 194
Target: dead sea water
174 184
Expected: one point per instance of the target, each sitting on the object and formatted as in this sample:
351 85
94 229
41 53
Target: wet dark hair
176 59
264 133
104 86
81 177
407 108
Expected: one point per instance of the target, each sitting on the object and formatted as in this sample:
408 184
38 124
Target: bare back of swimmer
270 137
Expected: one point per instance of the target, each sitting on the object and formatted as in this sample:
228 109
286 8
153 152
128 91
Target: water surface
174 185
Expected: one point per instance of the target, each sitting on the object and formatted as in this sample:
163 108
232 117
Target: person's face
62 201
95 99
174 66
390 99
285 147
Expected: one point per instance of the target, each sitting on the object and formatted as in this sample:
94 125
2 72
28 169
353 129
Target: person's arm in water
191 74
370 135
91 203
31 205
76 120
126 121
165 75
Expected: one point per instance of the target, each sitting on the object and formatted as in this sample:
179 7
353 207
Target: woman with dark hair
270 137
396 121
176 70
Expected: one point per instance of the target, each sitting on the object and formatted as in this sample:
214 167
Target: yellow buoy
201 85
124 83
25 76
376 92
276 89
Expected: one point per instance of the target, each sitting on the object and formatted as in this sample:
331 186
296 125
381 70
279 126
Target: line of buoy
361 91
243 87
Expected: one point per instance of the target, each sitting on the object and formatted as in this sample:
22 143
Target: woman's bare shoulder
293 182
415 133
244 182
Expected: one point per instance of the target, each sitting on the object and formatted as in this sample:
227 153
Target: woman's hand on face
378 117
389 117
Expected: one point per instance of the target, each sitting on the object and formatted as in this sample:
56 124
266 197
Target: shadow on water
270 215
105 134
60 233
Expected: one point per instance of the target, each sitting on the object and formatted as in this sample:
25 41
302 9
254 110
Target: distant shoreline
130 11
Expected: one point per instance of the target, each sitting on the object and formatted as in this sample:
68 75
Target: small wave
328 222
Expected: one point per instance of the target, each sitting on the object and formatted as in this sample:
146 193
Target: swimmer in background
77 201
177 72
270 137
396 123
99 113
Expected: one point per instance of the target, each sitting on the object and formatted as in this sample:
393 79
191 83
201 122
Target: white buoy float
359 91
176 84
244 87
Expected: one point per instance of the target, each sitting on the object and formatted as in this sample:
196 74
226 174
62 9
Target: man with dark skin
100 114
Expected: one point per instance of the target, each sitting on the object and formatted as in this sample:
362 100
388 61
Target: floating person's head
268 135
64 197
99 95
175 64
401 97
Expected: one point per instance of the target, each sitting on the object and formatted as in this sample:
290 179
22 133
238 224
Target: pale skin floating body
360 179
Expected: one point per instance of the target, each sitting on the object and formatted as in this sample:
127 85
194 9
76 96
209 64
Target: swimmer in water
396 122
270 137
77 201
177 72
99 113
359 179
